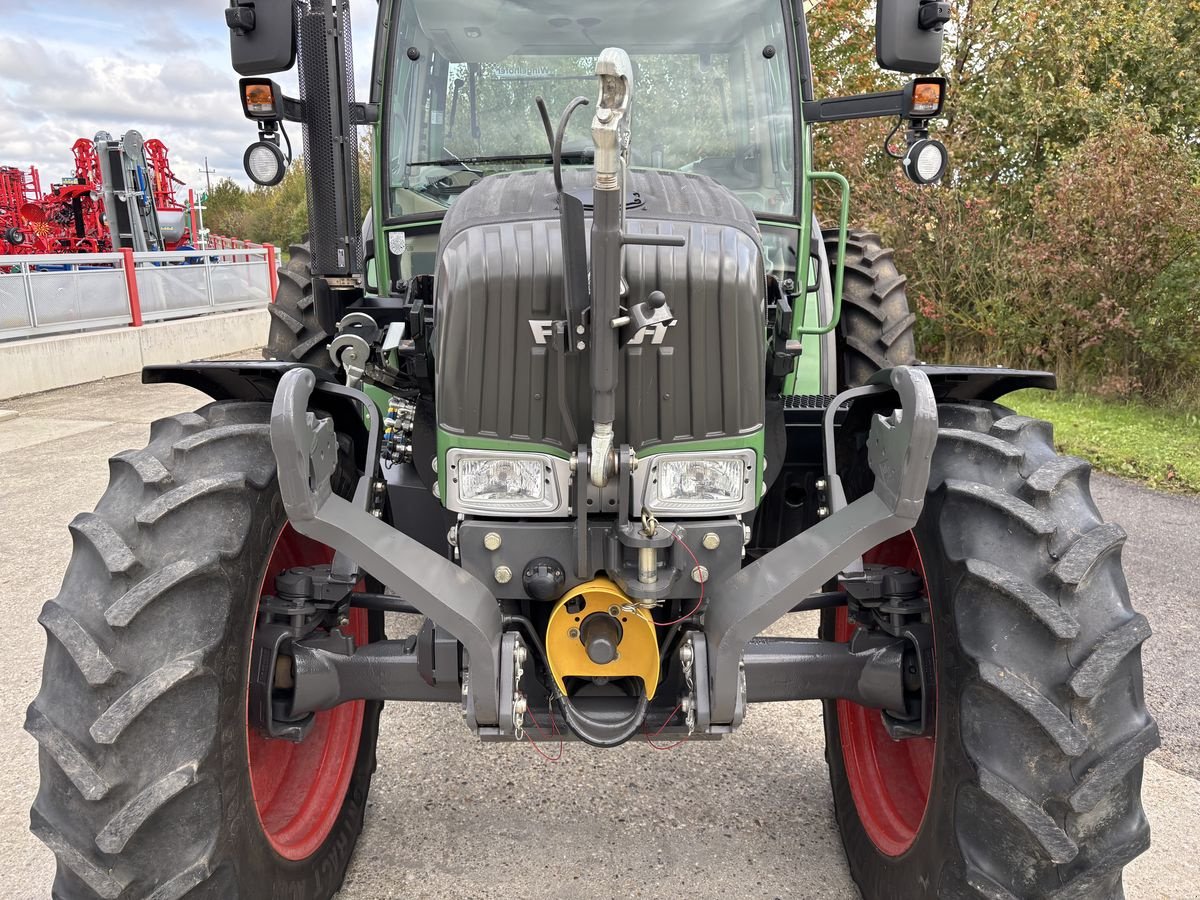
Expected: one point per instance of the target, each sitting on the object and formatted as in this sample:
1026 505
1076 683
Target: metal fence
55 293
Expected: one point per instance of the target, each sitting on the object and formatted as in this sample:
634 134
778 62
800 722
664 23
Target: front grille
807 401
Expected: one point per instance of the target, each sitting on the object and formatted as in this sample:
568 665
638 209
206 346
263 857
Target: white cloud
89 65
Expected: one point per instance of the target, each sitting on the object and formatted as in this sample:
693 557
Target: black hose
558 139
383 603
826 600
530 631
545 114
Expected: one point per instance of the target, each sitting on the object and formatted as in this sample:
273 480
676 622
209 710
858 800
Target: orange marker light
260 99
926 98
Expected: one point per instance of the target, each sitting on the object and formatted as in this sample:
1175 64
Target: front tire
1031 785
152 785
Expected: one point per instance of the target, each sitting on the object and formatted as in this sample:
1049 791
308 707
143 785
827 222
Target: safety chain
520 702
687 658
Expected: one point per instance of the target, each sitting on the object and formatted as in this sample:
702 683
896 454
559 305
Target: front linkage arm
306 454
900 448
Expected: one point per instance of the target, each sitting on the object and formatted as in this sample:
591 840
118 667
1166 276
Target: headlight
515 484
697 484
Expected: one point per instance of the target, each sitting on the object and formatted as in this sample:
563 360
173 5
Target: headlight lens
264 163
519 484
700 483
501 481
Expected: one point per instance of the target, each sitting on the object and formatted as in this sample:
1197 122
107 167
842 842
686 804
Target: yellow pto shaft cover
595 631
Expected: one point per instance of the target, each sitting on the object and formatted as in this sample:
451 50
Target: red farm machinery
121 194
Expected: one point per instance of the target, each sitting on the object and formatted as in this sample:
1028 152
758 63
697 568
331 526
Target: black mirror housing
908 34
262 36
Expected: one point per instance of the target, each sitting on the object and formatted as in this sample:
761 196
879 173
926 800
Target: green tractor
594 394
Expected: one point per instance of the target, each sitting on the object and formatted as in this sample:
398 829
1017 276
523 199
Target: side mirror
908 34
262 36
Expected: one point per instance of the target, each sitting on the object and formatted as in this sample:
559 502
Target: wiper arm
469 160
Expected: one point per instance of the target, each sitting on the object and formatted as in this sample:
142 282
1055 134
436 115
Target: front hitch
899 450
305 448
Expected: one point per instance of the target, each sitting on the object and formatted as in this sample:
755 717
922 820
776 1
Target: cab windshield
712 92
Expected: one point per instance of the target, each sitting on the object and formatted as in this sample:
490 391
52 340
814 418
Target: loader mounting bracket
900 447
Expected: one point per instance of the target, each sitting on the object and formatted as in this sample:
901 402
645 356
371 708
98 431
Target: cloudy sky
70 68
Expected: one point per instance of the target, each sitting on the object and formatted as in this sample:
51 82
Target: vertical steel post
33 322
272 272
131 286
195 235
208 281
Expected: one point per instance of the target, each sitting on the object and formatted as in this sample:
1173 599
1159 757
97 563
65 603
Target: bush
1106 280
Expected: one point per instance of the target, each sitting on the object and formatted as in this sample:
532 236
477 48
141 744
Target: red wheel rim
889 780
299 788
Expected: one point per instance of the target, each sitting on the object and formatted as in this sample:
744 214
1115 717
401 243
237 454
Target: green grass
1156 446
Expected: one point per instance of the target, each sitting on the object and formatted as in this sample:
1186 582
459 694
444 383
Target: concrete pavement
747 817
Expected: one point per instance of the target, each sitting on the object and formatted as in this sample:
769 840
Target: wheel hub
300 784
890 772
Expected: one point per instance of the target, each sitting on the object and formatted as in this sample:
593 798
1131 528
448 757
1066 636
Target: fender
256 380
950 384
960 383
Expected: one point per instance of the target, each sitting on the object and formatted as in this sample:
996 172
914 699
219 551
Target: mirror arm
859 106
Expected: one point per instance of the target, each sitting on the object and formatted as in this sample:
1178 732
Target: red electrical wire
699 602
650 739
554 730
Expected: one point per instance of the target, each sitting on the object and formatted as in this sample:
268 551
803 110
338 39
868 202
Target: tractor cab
715 94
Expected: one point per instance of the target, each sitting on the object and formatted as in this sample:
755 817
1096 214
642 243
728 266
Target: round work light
926 160
264 163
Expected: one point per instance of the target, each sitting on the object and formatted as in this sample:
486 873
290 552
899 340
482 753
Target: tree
1064 232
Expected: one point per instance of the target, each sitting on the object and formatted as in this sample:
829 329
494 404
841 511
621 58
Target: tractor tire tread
1056 843
55 743
1056 732
876 327
93 663
1058 621
296 334
103 538
1037 705
113 722
119 570
118 830
1042 727
149 470
1098 668
157 584
137 675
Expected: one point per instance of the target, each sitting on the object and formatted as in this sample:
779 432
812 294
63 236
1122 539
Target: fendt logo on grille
543 328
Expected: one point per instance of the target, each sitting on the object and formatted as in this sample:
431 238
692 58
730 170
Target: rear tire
1041 724
296 335
141 718
876 328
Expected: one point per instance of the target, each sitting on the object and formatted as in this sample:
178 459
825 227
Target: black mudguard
256 380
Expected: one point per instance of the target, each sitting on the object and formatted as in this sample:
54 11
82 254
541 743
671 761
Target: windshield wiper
526 157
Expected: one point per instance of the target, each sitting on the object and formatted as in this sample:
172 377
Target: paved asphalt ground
748 817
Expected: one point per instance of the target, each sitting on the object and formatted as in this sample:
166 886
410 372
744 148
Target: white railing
43 294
